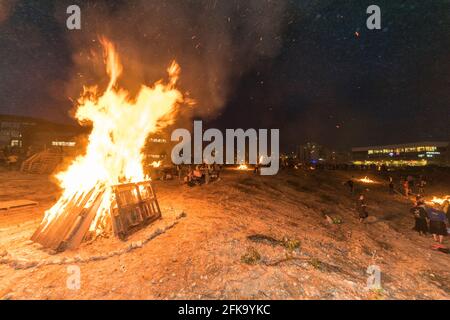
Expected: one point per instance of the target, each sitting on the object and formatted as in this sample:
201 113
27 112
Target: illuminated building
24 132
408 154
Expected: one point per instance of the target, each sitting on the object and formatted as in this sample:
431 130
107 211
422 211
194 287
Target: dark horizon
313 70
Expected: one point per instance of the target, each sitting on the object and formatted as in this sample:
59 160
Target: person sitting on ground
437 224
197 172
362 208
195 177
420 217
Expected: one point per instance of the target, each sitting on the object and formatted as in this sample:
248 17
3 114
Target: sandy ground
201 248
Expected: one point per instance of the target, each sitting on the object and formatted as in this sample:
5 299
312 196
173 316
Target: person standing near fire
420 217
422 184
350 184
406 188
446 210
362 208
391 185
438 226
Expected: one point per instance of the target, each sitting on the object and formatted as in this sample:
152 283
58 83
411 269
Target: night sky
310 68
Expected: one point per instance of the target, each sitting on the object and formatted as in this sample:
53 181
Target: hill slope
246 236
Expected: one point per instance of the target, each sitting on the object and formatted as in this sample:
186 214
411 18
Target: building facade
17 132
408 154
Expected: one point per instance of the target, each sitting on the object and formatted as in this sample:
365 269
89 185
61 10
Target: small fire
156 164
366 180
438 200
242 167
120 126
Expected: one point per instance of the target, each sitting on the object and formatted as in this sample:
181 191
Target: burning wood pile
438 200
134 206
243 167
106 189
367 180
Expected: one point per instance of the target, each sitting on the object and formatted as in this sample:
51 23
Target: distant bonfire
367 180
242 167
439 200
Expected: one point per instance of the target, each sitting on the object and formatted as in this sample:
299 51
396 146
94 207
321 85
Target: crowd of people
200 174
430 218
433 219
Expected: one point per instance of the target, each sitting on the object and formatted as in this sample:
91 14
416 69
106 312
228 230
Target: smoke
6 8
214 41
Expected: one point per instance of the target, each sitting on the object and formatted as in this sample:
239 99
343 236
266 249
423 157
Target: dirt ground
243 237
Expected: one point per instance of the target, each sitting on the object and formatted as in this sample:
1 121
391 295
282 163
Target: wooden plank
58 229
80 230
14 204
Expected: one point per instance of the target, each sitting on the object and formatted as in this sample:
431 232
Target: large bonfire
120 126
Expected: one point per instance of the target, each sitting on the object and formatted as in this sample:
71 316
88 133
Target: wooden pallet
135 207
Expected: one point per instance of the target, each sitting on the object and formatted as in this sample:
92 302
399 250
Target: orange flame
120 126
366 180
439 200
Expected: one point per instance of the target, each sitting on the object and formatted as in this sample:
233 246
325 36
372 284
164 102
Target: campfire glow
366 180
120 126
242 167
438 200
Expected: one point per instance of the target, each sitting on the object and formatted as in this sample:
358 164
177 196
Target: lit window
16 143
63 143
158 140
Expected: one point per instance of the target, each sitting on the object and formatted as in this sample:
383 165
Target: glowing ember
242 167
120 126
366 180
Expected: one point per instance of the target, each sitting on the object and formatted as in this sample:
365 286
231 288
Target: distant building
157 150
408 154
313 153
21 133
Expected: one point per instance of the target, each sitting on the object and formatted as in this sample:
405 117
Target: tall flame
120 126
